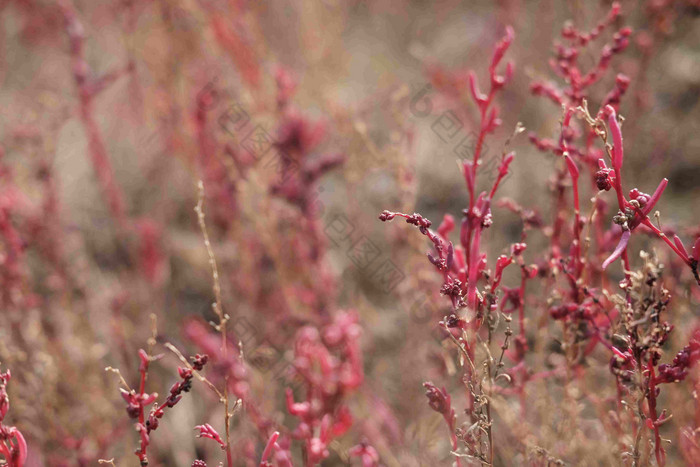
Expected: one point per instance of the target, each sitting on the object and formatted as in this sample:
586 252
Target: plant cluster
282 331
629 323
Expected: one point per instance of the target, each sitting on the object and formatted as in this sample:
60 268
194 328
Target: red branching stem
462 268
647 222
208 431
488 120
640 213
502 172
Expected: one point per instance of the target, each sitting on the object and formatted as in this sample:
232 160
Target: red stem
521 308
651 398
647 222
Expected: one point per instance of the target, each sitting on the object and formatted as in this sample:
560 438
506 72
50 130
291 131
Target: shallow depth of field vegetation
348 233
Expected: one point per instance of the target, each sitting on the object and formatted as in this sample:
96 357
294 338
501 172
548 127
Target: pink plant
13 447
138 400
464 268
545 350
635 212
327 379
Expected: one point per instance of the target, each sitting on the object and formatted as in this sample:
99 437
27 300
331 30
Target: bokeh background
181 85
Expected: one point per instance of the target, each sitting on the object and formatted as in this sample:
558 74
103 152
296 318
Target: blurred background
113 111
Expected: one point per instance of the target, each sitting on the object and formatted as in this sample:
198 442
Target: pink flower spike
617 137
655 197
679 244
624 240
502 47
268 449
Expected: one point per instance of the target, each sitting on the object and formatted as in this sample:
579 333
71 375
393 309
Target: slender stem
223 318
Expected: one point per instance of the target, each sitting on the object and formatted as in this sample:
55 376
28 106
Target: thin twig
218 309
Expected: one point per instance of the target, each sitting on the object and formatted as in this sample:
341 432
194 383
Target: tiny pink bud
518 248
